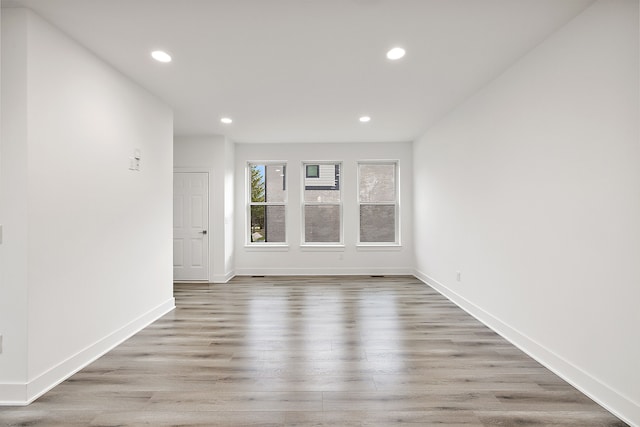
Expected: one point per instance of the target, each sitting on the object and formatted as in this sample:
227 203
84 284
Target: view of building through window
322 203
267 202
377 196
377 185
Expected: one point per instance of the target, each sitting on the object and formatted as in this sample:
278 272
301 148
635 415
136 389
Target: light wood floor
313 351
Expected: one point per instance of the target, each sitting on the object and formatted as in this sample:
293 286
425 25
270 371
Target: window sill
266 247
375 248
322 248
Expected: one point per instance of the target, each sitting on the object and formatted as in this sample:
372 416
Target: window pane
377 223
268 183
325 187
322 223
276 183
257 183
268 223
377 183
313 171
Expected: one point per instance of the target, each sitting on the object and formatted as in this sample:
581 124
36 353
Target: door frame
210 222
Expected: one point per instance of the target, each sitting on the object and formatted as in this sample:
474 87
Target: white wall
297 260
213 154
13 208
531 190
97 264
229 210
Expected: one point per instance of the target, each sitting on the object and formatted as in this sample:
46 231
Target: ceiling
306 70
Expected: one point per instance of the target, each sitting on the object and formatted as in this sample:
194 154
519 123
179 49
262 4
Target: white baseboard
616 403
219 278
25 393
216 278
204 282
13 394
356 271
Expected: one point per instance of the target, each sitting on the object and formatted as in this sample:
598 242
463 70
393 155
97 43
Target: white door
190 226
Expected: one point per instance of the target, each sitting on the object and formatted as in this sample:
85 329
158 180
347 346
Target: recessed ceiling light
396 53
161 56
226 120
365 119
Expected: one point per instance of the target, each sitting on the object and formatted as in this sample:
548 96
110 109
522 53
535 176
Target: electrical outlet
458 276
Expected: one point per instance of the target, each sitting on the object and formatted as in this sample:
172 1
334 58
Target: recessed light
226 120
161 56
365 119
396 53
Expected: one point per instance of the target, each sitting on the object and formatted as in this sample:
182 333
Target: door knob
203 231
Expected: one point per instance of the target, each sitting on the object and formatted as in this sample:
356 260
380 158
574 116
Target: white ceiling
305 70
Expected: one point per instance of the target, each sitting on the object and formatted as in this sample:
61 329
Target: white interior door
190 226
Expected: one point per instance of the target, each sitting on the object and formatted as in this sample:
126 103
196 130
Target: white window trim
321 246
268 247
381 246
274 246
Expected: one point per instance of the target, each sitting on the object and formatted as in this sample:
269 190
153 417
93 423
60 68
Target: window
267 183
322 204
313 171
378 202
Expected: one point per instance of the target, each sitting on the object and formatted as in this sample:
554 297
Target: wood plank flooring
313 351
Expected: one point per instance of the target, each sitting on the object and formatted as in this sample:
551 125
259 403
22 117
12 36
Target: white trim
319 271
273 247
191 281
223 278
312 247
613 401
193 170
13 394
25 393
378 247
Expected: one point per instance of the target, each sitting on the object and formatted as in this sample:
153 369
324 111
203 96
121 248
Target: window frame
339 186
397 229
250 203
